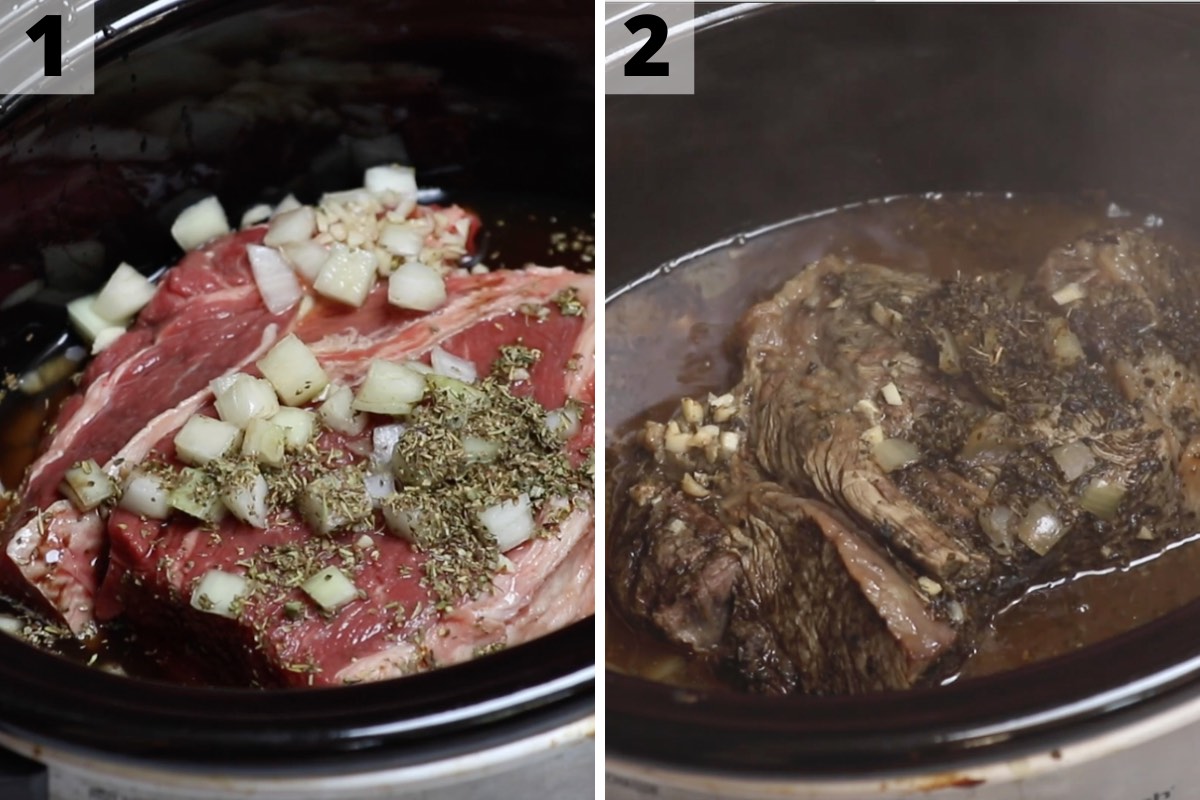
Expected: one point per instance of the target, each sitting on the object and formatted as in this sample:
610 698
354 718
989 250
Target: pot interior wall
804 108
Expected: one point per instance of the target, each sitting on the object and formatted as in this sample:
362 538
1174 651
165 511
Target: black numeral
641 65
49 26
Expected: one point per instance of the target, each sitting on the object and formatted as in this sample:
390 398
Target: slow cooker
493 104
799 108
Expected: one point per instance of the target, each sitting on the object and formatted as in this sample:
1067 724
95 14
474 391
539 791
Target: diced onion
380 485
997 525
1069 294
287 204
391 178
894 454
307 257
402 239
84 318
221 383
565 421
389 388
196 495
246 499
276 282
891 395
256 214
204 439
330 589
337 412
417 286
264 442
1073 458
384 440
298 426
1102 497
245 399
347 275
105 338
297 225
293 371
217 590
510 523
452 366
146 495
949 357
200 222
126 293
336 501
1040 528
402 521
87 486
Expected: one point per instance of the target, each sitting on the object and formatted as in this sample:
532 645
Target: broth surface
653 358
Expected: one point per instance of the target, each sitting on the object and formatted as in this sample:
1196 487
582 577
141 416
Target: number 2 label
640 64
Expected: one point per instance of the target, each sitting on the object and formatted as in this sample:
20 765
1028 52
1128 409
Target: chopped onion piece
126 293
1102 497
453 366
510 523
204 439
389 388
276 282
87 486
297 225
105 338
264 442
565 421
247 398
417 286
894 454
1069 294
222 383
246 498
146 495
298 426
997 524
200 222
336 501
293 371
347 275
330 589
402 239
419 366
1041 527
1073 458
391 178
196 494
289 203
256 214
307 257
402 521
891 395
217 590
384 440
337 412
84 318
380 485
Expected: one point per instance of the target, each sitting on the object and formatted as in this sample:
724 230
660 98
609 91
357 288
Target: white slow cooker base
556 764
1154 759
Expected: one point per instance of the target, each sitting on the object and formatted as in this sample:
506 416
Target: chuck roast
904 456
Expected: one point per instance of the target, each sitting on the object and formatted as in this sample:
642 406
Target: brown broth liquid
655 357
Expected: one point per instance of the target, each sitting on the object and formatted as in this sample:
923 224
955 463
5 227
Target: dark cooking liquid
516 231
653 358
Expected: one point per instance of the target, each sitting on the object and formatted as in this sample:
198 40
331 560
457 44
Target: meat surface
207 320
904 456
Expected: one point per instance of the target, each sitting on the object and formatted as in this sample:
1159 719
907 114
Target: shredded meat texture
904 456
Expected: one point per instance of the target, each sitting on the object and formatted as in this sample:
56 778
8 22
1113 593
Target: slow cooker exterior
252 100
809 107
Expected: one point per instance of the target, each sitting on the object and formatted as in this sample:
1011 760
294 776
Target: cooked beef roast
904 456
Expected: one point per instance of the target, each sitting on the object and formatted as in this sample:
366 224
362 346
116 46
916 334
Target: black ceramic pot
809 107
493 103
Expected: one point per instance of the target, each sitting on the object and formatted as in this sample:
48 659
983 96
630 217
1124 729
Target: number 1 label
49 28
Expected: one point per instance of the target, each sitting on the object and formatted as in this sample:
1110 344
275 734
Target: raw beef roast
903 456
206 320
